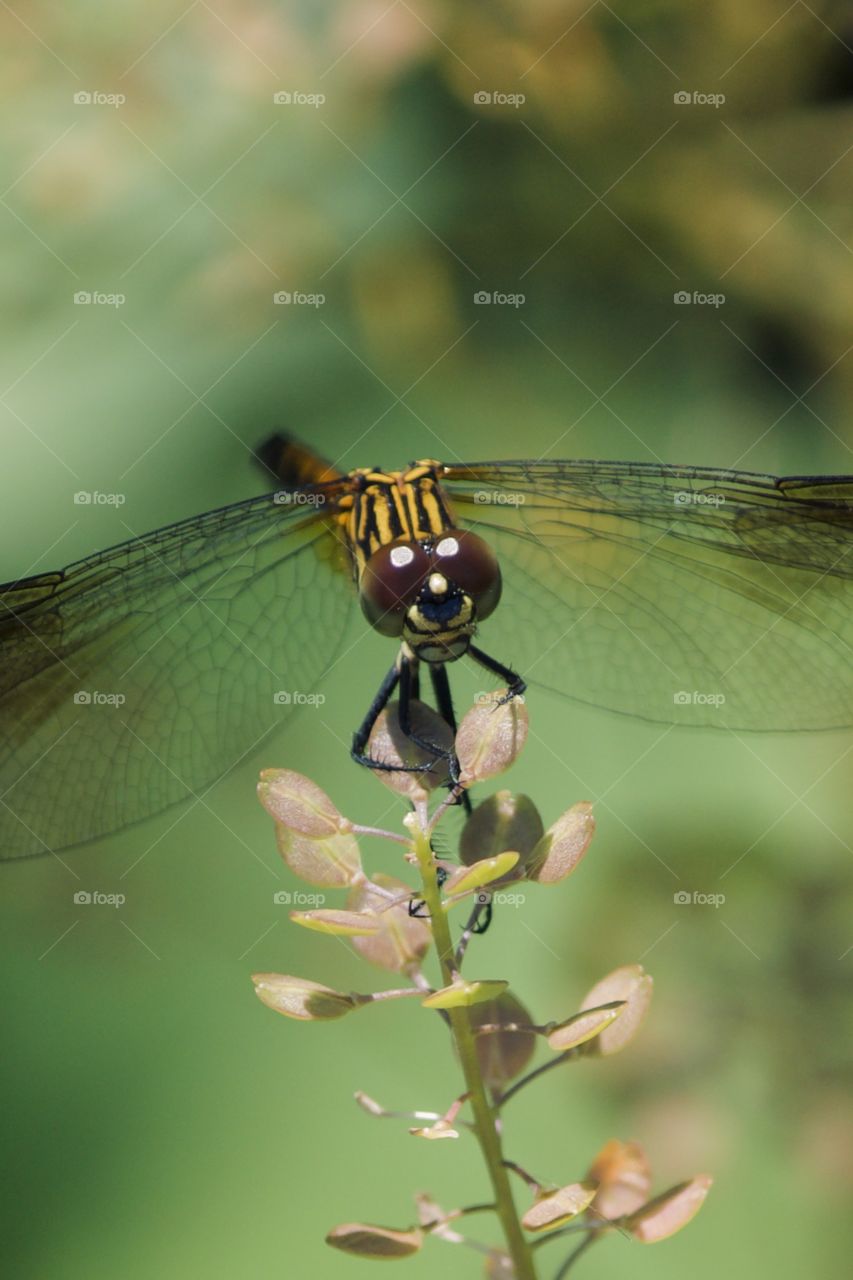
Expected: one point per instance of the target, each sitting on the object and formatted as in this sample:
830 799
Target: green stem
484 1116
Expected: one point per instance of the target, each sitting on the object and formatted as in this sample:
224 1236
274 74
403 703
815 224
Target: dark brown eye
469 563
392 579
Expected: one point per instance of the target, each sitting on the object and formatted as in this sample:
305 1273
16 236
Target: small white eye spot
401 556
437 584
447 547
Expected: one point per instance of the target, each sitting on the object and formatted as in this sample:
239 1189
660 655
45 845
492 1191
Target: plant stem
484 1117
566 1056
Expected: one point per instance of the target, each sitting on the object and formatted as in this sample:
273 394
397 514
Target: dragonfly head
431 593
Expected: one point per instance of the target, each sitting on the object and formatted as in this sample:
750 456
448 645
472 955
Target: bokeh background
158 1121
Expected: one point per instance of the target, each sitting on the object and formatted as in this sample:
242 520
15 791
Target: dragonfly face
138 676
431 593
419 577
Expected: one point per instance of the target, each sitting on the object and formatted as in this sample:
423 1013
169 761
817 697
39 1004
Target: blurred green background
158 1120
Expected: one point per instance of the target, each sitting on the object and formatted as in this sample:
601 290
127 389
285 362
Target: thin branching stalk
574 1256
504 843
484 1116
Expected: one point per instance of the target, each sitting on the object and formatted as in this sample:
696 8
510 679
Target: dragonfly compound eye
468 562
390 584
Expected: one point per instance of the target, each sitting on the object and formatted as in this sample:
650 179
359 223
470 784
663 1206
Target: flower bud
502 821
491 737
299 803
624 1179
389 744
400 940
630 984
440 1129
669 1212
332 862
558 1207
503 1055
476 874
563 845
585 1026
375 1242
461 994
301 998
343 924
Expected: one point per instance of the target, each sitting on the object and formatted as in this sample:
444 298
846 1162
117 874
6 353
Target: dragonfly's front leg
405 673
515 686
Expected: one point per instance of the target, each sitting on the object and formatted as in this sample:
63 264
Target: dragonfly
136 677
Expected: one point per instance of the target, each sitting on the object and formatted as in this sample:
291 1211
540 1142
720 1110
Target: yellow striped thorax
387 506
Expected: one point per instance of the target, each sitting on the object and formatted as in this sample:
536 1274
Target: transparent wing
678 594
136 677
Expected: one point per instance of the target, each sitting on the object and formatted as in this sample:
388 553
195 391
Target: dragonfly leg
400 673
417 907
477 923
444 706
409 689
515 685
